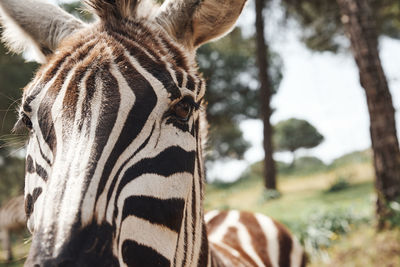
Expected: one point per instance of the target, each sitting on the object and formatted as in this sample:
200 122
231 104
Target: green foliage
229 69
12 173
292 134
388 14
340 183
14 75
302 166
269 194
226 141
321 21
322 228
394 210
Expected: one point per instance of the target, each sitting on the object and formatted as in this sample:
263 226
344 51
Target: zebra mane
113 11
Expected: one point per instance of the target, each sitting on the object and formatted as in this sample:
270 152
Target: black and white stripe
113 151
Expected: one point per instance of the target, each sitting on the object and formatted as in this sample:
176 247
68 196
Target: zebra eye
184 109
27 121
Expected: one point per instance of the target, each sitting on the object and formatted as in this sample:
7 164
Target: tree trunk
293 163
265 97
360 27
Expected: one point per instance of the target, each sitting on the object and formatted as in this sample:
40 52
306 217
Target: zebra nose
65 263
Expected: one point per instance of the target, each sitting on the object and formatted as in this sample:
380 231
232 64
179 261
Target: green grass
301 197
14 263
298 206
294 206
20 250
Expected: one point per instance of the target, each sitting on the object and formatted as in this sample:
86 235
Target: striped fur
248 239
114 166
12 219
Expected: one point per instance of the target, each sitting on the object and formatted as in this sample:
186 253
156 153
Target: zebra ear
35 27
195 22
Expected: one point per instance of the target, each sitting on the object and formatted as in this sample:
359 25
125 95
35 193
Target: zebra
12 219
117 129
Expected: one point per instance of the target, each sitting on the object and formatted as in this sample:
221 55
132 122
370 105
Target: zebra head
114 166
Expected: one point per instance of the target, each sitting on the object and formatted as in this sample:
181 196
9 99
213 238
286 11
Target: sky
322 88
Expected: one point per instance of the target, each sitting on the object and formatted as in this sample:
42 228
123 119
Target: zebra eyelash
192 102
173 111
24 122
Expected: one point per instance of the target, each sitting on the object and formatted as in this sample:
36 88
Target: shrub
269 194
394 218
322 228
340 183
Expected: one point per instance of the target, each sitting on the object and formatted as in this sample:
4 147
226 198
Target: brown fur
235 261
216 221
304 260
258 239
285 244
231 238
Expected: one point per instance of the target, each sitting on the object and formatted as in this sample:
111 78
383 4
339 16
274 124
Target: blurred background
303 100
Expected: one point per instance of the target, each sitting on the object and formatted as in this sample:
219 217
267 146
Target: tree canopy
14 75
322 26
292 134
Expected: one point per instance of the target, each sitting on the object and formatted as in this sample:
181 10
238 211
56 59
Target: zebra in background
114 165
12 219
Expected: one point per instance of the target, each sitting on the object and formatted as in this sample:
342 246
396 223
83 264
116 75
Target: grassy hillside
302 195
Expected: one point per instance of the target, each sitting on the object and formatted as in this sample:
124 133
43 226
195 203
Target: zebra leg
6 243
